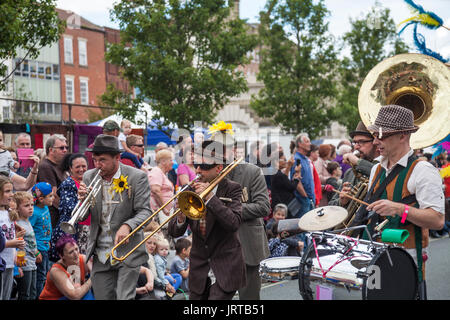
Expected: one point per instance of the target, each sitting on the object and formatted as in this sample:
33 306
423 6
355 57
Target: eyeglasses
205 166
61 148
138 145
361 142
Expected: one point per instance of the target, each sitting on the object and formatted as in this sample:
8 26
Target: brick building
82 66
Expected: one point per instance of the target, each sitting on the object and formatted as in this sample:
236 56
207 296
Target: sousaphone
418 82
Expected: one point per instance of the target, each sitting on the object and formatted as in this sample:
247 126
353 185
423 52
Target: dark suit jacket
220 249
131 211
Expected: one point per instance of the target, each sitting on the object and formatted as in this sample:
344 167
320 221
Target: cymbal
322 218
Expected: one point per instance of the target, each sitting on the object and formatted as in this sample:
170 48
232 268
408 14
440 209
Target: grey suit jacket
132 210
252 231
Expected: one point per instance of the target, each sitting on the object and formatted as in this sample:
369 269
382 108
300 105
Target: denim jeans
41 275
307 205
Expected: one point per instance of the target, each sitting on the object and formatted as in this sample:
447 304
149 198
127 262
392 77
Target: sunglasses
138 145
61 148
205 166
384 136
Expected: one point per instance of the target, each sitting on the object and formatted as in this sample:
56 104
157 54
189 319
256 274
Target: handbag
293 207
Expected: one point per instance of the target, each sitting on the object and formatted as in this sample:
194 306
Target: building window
68 50
55 72
57 109
82 52
69 90
50 108
5 113
33 69
48 72
36 69
84 91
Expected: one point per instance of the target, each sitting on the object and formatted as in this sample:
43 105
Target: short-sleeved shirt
307 177
50 172
31 245
184 169
42 226
157 177
121 137
178 265
7 227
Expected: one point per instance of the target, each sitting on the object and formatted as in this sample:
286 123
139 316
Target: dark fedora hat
105 143
360 130
393 119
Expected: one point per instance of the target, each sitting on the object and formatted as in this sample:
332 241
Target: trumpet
190 203
81 210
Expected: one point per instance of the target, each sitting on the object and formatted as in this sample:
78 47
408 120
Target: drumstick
349 196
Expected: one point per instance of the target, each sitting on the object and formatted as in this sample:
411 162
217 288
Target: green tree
372 39
297 61
29 25
183 56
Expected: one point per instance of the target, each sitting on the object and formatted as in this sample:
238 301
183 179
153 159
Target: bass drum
357 269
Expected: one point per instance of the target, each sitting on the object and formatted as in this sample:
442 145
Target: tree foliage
297 62
28 25
181 55
372 39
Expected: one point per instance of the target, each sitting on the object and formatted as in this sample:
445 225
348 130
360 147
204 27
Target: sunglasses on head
205 166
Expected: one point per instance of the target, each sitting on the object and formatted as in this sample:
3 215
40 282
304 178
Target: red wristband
405 214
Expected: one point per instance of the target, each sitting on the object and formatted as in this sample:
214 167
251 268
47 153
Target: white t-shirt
8 229
121 137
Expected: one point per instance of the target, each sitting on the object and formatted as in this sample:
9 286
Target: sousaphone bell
415 81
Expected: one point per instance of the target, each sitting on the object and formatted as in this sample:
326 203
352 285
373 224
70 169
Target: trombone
190 204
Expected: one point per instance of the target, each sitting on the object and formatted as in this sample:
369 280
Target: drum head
391 282
279 268
281 263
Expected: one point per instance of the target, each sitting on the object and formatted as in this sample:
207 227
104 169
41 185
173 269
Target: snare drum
279 268
371 269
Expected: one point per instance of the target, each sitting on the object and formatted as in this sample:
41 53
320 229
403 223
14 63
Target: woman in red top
67 277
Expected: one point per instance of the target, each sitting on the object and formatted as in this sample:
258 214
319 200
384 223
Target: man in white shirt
424 181
402 188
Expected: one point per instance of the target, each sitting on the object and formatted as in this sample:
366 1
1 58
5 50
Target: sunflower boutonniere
120 185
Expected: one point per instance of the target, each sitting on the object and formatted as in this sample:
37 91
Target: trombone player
216 246
118 208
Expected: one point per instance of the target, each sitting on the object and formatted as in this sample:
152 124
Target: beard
371 155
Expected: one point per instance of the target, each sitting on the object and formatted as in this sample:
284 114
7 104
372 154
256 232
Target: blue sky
97 11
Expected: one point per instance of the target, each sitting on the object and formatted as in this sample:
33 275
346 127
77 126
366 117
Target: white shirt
425 182
105 240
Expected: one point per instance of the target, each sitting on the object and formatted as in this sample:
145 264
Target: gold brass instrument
190 204
415 81
81 210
